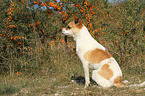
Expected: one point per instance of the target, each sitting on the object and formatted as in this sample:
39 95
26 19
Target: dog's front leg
86 71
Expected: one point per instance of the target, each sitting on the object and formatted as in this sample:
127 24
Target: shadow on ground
81 80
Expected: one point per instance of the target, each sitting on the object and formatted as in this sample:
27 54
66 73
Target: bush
30 29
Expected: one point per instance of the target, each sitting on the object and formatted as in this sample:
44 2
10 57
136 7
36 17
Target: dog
105 69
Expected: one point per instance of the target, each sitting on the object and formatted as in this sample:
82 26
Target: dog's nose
63 30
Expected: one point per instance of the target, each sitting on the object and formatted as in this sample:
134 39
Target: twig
114 52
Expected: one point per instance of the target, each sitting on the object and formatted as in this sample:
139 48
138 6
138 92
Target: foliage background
32 45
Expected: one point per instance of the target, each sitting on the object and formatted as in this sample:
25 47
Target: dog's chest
82 47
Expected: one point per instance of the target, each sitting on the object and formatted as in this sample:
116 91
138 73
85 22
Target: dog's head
73 27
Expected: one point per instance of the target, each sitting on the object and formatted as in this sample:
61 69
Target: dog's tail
132 85
120 85
136 85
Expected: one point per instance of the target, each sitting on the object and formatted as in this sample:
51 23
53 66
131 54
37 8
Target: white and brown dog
106 71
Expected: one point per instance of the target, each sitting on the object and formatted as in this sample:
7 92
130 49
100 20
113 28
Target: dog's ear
78 22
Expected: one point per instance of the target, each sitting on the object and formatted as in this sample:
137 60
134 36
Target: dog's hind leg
101 81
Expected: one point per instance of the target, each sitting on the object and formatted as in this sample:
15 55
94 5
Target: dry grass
62 75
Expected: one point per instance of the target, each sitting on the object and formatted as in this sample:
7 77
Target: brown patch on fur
96 56
106 72
108 53
78 23
71 25
119 85
75 25
117 82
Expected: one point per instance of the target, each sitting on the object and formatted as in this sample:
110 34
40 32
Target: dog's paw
87 84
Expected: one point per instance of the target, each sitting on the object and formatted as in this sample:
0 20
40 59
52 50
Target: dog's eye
68 27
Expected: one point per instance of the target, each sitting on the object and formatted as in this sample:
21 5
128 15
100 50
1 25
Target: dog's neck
83 37
82 34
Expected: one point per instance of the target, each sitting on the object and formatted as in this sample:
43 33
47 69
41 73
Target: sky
44 7
59 0
108 0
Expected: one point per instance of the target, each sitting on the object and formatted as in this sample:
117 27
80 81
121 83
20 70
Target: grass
61 86
63 75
